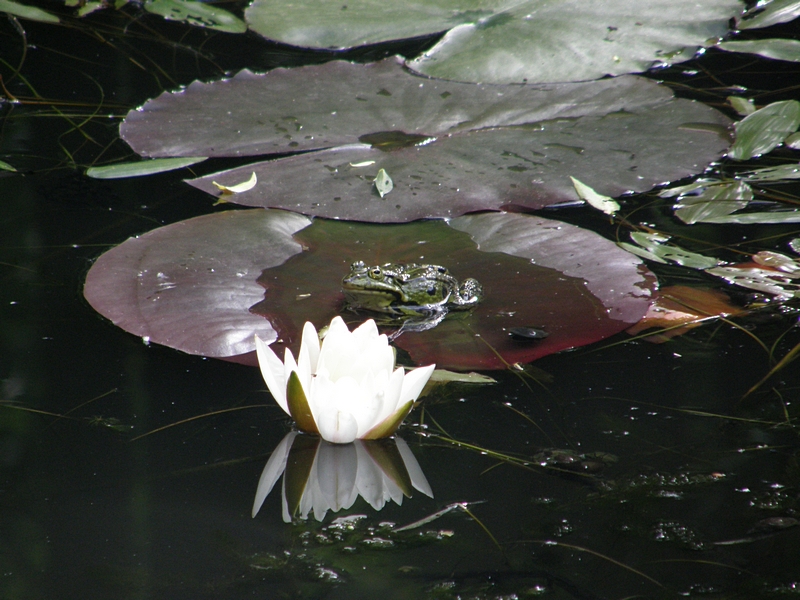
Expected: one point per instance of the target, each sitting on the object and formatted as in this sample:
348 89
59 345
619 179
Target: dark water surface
87 512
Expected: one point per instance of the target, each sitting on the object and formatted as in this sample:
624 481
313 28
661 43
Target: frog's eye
431 291
441 269
375 272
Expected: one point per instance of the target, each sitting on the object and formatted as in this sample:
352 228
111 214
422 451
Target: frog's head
373 288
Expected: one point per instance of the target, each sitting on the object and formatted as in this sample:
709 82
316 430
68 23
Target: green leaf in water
4 166
445 376
27 12
777 11
777 49
714 201
142 167
763 130
654 243
743 106
762 280
759 218
793 141
383 183
197 13
772 173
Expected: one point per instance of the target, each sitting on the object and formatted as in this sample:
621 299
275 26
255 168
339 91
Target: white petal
272 370
336 426
309 349
290 365
414 381
272 471
391 395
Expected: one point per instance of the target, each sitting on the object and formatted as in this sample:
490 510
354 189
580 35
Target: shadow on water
618 470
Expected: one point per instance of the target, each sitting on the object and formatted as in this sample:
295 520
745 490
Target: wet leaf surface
508 41
206 285
449 148
189 285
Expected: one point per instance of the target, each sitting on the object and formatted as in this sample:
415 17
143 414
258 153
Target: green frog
420 295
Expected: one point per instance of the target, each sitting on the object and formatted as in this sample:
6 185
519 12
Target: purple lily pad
484 147
332 104
190 285
249 277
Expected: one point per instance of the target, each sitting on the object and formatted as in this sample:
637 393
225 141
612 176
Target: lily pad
505 41
189 285
207 285
280 111
483 147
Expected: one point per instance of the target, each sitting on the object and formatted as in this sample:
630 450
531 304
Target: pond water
620 470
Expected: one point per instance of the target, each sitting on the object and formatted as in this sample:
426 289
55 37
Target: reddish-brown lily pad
207 285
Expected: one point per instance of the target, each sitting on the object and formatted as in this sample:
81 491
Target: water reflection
319 476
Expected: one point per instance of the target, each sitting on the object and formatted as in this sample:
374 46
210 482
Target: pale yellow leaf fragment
239 187
600 202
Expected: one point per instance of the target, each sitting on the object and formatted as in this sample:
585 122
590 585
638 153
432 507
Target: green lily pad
505 41
196 13
207 285
777 49
770 13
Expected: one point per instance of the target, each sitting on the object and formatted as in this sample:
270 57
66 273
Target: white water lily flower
345 389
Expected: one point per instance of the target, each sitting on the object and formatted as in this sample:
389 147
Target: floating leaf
445 376
206 285
772 173
755 218
383 183
778 49
190 285
793 141
24 11
743 106
598 201
455 147
505 41
771 281
714 201
253 114
196 13
770 13
4 166
679 308
776 260
763 130
142 167
655 244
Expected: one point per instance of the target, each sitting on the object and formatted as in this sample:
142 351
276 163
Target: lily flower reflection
319 476
345 389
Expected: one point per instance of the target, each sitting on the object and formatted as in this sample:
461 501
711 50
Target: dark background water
87 513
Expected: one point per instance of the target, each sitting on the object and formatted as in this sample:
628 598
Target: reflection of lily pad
495 146
508 40
199 291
